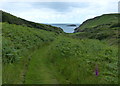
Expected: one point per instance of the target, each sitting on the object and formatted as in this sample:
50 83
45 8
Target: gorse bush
17 39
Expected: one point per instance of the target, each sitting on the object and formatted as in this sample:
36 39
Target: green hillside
34 56
18 39
37 56
11 19
106 20
103 27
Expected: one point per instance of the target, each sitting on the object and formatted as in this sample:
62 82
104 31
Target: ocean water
66 28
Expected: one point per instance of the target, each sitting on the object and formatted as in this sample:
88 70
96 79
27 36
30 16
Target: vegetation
75 61
18 43
6 17
99 21
36 56
103 27
17 39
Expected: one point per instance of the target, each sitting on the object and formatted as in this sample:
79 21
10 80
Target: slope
66 61
11 19
71 61
103 27
35 56
105 20
17 40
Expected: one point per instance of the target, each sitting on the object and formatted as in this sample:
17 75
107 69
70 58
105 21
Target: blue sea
66 28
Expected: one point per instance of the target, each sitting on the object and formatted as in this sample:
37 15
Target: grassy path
38 72
65 61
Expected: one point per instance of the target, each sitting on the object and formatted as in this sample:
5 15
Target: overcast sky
60 12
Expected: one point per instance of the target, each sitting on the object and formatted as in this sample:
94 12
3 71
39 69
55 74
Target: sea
68 28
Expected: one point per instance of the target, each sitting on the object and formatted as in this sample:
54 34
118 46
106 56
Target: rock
71 25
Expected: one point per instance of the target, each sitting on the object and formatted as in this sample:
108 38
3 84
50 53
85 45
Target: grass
11 19
18 39
40 73
103 27
67 61
105 20
35 56
75 60
18 43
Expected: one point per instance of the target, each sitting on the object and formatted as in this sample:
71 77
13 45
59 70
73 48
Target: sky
56 11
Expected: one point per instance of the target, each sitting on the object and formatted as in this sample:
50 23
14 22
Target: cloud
60 12
59 6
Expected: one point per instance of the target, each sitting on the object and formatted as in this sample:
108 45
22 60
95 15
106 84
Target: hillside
106 20
39 56
103 27
34 56
11 19
17 40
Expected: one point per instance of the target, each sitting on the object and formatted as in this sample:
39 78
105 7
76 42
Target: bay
68 28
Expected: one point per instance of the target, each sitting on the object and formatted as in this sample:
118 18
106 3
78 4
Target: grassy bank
75 61
18 39
65 61
104 27
69 61
11 19
18 43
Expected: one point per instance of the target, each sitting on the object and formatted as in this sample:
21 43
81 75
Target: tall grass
17 39
69 60
75 61
18 43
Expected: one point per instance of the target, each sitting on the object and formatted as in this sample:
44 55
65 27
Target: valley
47 55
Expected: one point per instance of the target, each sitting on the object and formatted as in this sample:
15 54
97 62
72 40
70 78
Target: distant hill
102 27
11 19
